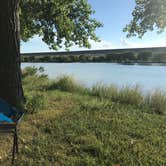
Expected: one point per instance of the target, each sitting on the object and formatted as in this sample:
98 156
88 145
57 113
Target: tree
58 22
148 15
10 73
144 56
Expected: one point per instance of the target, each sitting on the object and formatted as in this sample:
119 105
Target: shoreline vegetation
123 56
154 102
68 124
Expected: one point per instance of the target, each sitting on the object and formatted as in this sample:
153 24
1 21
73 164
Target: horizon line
90 50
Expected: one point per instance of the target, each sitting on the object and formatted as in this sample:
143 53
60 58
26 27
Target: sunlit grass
35 84
97 126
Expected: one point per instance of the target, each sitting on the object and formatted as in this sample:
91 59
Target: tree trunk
10 71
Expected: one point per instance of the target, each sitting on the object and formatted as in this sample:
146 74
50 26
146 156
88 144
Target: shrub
33 71
130 95
35 101
34 79
156 102
126 95
29 71
144 56
103 91
66 83
35 83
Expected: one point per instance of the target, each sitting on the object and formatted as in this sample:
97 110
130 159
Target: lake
147 77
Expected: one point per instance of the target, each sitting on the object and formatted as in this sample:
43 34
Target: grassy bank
68 124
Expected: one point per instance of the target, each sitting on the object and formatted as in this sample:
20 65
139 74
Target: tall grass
103 91
153 102
34 84
67 83
125 95
156 102
35 101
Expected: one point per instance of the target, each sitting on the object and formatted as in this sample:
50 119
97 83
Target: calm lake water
147 77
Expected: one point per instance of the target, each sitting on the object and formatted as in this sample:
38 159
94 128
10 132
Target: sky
114 15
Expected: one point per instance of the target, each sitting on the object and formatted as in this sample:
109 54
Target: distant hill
131 55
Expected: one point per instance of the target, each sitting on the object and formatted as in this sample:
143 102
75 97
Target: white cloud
36 45
127 43
103 44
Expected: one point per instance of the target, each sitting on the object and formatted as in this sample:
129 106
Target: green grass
89 127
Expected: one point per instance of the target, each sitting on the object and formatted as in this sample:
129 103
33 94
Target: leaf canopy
58 22
148 15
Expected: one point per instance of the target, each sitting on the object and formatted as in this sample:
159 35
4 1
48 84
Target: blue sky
114 14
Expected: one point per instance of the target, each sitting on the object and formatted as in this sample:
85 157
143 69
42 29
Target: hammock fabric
9 118
4 119
9 114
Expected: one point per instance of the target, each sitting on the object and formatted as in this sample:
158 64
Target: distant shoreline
122 56
132 64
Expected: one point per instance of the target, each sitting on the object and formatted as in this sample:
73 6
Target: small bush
126 95
99 91
130 95
34 79
103 91
35 101
37 83
66 83
33 71
156 102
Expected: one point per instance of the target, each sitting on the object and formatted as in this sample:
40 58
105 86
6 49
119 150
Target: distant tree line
130 57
